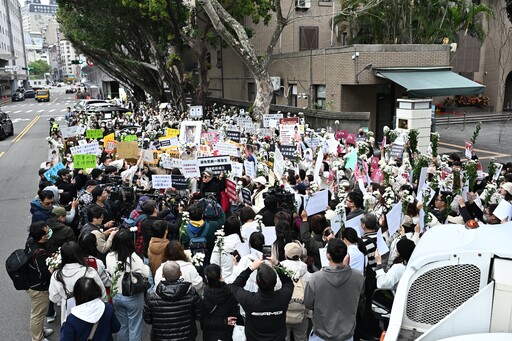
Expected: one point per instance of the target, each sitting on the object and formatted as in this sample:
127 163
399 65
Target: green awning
431 82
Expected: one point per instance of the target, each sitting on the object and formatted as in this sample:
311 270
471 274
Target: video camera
285 198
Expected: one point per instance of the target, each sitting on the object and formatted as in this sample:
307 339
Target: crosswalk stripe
40 110
51 110
30 110
17 111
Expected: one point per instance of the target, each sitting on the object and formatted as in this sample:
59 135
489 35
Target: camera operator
211 184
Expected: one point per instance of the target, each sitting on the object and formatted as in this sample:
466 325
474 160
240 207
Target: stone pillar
415 114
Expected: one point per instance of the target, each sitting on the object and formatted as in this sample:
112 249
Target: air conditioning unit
276 83
303 4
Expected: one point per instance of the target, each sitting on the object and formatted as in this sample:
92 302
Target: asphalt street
20 157
494 141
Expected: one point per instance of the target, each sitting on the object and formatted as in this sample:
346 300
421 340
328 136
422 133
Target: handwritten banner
94 133
231 190
84 161
161 181
51 174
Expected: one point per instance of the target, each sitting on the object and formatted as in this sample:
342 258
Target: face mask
50 234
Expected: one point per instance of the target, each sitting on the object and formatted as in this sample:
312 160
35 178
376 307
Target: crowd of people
241 229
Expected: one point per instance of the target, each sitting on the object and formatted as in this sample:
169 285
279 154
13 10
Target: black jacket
265 311
218 305
61 234
213 186
145 227
172 310
39 275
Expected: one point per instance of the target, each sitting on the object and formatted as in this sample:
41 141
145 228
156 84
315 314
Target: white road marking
16 120
17 111
29 110
40 110
51 110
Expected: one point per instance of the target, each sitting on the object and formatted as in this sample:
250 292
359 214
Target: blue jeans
129 311
150 278
314 337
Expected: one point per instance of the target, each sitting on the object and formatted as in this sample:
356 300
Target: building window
319 100
251 92
308 38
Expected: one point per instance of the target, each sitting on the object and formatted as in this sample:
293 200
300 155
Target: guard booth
421 84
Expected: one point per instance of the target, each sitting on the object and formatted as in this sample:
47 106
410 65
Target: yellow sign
107 139
169 132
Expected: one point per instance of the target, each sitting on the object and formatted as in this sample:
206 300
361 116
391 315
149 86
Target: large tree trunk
203 77
264 92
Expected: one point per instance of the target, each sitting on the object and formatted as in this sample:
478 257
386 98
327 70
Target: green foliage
434 140
413 22
413 140
476 133
40 67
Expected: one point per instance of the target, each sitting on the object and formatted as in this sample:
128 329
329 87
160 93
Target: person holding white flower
225 245
63 280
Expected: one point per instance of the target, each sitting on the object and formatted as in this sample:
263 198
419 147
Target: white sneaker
50 319
48 332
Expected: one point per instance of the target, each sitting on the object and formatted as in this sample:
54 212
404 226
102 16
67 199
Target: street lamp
367 67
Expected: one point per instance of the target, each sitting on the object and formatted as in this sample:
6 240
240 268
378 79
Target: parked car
43 95
18 96
30 94
83 103
6 126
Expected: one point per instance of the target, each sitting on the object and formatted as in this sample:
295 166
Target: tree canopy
40 67
413 22
125 44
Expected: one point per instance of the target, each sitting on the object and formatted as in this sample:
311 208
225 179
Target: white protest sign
503 211
248 230
278 164
333 145
423 178
70 131
147 155
91 148
317 202
422 220
355 223
250 168
394 218
166 143
190 168
237 169
286 132
318 165
323 257
335 223
381 243
161 181
468 151
196 111
226 148
270 234
268 117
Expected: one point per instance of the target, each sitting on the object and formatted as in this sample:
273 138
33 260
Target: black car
18 96
30 94
6 126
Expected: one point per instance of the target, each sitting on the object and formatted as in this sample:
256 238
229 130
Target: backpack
198 243
211 208
296 308
18 268
130 222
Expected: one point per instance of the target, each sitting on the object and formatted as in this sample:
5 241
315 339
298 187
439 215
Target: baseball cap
59 211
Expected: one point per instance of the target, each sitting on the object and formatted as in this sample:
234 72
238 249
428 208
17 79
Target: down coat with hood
218 304
335 292
172 310
84 316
